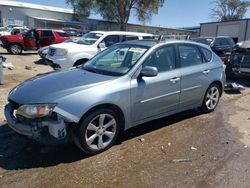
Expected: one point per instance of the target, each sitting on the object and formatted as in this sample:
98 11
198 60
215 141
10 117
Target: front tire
15 49
211 98
97 132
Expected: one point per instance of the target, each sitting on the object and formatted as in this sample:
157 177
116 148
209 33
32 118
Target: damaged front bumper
47 132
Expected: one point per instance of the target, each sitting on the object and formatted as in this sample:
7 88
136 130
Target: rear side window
111 39
189 55
128 38
148 37
62 34
207 54
47 34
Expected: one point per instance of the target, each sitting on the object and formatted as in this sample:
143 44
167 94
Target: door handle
175 79
206 71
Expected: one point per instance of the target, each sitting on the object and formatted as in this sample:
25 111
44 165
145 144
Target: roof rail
172 37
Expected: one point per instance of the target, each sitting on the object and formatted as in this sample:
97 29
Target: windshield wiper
90 69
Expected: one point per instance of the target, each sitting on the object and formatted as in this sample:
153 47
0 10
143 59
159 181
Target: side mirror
101 45
149 71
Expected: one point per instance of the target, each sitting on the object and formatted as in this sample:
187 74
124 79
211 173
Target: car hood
50 87
19 37
71 46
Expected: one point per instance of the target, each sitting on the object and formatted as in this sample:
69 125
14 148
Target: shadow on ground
40 62
23 54
19 152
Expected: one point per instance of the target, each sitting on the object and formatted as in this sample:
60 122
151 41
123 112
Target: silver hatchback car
128 84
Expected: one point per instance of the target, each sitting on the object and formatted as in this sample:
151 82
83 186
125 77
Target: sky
174 13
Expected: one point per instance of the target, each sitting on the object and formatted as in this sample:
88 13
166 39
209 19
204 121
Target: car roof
151 42
122 33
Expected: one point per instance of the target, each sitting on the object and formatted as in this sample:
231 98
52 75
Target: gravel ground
215 147
29 60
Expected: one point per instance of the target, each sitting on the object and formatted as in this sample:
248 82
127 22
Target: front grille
52 51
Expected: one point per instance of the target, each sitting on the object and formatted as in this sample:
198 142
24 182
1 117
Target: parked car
32 40
223 46
239 62
42 52
123 86
204 40
66 55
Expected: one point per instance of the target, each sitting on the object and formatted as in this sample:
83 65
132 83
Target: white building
239 30
41 16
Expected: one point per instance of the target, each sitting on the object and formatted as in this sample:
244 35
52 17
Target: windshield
116 61
89 38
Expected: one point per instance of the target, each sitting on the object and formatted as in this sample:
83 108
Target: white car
13 30
65 55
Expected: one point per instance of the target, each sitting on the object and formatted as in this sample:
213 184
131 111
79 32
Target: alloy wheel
100 131
16 49
212 98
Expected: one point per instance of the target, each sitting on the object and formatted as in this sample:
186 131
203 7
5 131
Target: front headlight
36 110
61 52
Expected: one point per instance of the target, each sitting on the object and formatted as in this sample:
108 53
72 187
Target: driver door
29 40
152 96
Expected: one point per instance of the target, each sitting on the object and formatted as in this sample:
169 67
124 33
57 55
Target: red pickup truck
32 40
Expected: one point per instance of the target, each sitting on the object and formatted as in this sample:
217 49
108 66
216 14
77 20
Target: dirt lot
216 146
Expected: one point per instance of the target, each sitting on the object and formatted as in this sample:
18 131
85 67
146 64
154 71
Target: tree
226 10
118 11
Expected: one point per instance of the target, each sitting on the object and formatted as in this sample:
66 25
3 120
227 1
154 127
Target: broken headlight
35 110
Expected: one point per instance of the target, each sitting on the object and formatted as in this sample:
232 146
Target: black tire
81 132
80 62
15 49
204 106
229 74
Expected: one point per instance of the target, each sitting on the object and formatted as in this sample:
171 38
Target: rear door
47 38
194 75
152 96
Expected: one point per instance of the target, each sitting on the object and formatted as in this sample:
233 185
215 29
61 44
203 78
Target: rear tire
211 98
15 49
98 131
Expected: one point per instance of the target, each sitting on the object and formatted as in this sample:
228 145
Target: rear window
207 54
62 34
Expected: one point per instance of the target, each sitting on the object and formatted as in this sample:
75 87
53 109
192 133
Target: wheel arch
11 43
79 60
114 107
219 83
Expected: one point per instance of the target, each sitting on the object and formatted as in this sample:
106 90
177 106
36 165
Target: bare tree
226 10
118 11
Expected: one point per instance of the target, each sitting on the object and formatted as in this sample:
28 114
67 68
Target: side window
163 59
62 34
47 33
189 55
128 38
148 37
111 39
207 54
30 34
